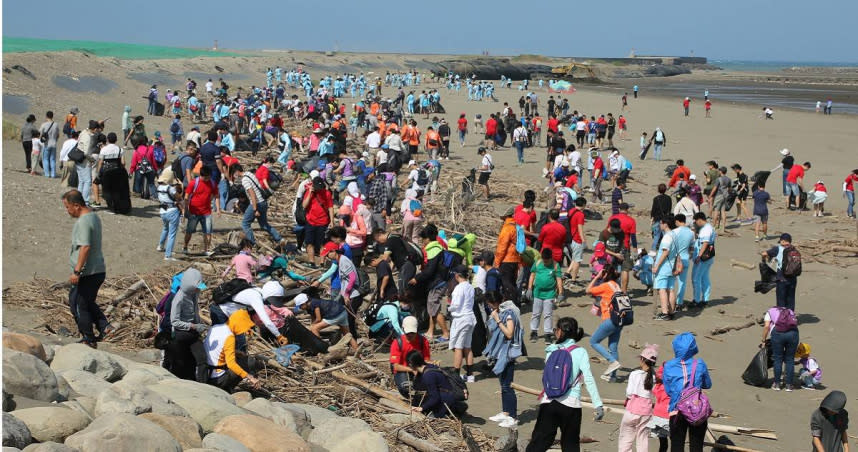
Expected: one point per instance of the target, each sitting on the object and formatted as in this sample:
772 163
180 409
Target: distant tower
632 53
215 45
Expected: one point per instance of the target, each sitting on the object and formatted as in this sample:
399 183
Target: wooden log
728 447
331 369
728 328
745 265
418 444
130 291
371 388
845 249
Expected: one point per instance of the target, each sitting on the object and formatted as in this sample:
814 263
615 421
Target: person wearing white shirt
254 298
373 141
394 141
575 160
462 329
194 135
209 88
381 156
67 165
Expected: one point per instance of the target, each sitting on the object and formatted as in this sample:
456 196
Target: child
634 429
644 146
243 262
642 270
325 313
761 211
828 424
659 423
810 373
599 260
544 287
819 195
37 151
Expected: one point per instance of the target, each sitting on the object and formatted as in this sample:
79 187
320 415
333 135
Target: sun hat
167 177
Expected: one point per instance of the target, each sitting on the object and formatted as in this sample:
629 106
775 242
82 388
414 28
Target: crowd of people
347 188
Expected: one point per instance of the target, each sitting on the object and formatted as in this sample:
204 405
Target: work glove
200 327
282 340
600 413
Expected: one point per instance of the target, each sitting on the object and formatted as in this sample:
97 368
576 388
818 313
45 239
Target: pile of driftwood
837 253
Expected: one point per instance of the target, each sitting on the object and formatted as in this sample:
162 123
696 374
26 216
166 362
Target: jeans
785 183
509 402
701 282
171 219
783 351
850 203
83 307
550 417
657 233
519 151
608 330
656 151
542 308
142 182
49 161
84 180
151 108
249 216
223 191
785 292
680 282
679 427
402 380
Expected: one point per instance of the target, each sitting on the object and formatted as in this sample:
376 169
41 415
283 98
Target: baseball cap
409 324
314 174
784 151
692 177
650 352
330 246
411 162
599 251
301 299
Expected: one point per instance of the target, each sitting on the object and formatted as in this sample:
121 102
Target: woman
565 411
685 206
113 177
439 400
355 232
783 333
143 168
185 356
27 140
604 285
138 130
127 123
412 218
503 348
679 373
849 191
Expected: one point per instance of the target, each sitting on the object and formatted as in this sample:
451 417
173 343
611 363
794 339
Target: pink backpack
693 403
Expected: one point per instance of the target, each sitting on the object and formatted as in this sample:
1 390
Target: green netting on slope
105 49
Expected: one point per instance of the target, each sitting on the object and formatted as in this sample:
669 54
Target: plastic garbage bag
757 372
283 354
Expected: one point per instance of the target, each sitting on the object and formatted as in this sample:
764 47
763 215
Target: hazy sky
763 30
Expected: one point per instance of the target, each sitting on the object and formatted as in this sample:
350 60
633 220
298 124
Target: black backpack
621 309
422 177
370 316
458 385
176 167
363 283
224 292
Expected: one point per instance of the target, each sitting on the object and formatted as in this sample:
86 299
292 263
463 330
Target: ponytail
569 329
650 374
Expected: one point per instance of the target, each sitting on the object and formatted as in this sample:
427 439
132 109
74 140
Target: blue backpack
160 154
520 240
555 376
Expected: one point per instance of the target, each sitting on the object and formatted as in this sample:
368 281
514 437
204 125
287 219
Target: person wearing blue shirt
388 321
664 271
636 91
676 372
785 288
684 242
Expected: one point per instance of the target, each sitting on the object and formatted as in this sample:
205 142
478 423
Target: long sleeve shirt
580 365
505 251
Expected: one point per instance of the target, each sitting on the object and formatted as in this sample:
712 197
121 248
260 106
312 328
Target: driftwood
416 443
728 447
371 388
129 292
745 265
727 329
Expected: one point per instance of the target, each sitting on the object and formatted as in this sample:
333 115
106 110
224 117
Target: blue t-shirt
683 239
329 308
209 153
761 199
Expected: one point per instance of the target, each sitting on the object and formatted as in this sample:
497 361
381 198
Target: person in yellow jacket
507 258
226 373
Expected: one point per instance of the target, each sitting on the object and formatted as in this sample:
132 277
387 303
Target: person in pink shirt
243 263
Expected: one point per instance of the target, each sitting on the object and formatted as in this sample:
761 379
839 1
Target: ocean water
774 66
106 49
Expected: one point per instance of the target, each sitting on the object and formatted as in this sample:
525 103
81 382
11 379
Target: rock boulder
52 423
223 443
15 432
81 357
123 433
84 383
27 376
279 415
25 343
184 429
260 435
49 446
122 397
332 431
362 441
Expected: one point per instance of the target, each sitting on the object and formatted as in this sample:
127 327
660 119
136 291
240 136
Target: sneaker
171 259
788 388
776 386
548 338
661 316
500 417
90 344
757 238
605 377
534 336
508 423
185 251
108 331
209 253
470 379
442 339
159 248
612 367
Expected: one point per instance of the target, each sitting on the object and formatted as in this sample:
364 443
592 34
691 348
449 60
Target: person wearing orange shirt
71 119
507 258
680 169
433 143
413 138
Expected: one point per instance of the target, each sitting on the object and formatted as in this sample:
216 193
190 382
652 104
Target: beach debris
728 328
24 71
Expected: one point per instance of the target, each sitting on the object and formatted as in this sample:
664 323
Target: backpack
520 240
422 177
458 386
160 154
163 309
693 404
555 376
174 127
176 166
177 104
274 180
621 310
67 128
791 262
416 208
659 136
144 166
363 283
786 320
224 292
370 316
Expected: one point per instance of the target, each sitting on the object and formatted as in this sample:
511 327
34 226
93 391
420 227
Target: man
630 240
617 196
373 141
553 236
194 136
576 245
686 105
50 131
795 184
597 175
680 169
433 277
221 356
612 128
710 176
665 269
211 157
507 259
742 191
399 349
486 167
404 255
786 284
683 241
659 140
445 132
491 131
378 199
318 204
257 209
187 161
88 270
661 207
519 139
720 190
703 260
87 144
433 143
199 193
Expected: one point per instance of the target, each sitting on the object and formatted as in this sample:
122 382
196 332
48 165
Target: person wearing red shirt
318 204
399 349
552 125
680 169
572 181
463 129
491 131
629 227
264 172
621 124
849 190
553 236
576 245
598 175
795 183
525 214
199 194
686 104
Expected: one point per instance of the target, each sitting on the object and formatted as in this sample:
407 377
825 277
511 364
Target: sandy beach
36 227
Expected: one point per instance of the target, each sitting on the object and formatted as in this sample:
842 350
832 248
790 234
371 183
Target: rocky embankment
66 398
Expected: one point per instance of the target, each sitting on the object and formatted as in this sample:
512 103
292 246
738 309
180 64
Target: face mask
405 308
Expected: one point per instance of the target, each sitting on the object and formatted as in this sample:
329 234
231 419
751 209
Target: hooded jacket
434 274
220 344
684 347
827 427
185 310
505 252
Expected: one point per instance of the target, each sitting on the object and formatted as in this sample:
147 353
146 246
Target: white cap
784 151
300 300
409 324
692 177
411 162
616 152
314 174
272 289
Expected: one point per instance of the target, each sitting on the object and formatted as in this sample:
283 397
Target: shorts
490 137
663 282
659 427
204 220
793 189
433 301
342 319
577 251
600 134
484 178
627 263
763 219
461 333
314 236
719 203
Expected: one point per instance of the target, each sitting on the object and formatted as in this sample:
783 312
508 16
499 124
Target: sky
757 30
